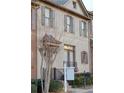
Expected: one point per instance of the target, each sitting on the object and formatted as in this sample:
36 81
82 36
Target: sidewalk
79 90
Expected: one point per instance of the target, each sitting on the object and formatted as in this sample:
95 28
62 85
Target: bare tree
48 50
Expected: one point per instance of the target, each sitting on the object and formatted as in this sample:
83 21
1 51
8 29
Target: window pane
68 20
85 33
68 28
82 25
71 56
74 4
65 55
47 12
84 57
46 21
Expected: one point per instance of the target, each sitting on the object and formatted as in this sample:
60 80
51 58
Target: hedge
55 86
81 79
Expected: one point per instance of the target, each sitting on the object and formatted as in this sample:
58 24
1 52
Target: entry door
69 57
65 56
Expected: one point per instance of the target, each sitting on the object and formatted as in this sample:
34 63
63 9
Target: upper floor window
33 19
68 23
74 4
83 30
48 16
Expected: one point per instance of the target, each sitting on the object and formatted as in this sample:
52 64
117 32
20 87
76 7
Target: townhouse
69 22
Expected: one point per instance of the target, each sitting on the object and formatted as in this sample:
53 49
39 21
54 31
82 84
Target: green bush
55 86
78 82
34 81
33 88
80 78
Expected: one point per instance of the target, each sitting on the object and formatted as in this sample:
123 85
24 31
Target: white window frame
47 16
69 26
83 29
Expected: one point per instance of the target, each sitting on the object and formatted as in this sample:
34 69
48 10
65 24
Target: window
68 24
83 30
84 57
47 16
33 19
74 4
69 55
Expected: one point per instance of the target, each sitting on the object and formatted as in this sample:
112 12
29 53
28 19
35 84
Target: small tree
48 50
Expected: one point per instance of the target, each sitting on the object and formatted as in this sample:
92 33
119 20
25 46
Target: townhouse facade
67 21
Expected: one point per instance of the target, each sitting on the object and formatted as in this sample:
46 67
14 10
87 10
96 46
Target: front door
69 55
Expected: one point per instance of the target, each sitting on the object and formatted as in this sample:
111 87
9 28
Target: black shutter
52 18
65 23
80 28
43 15
71 25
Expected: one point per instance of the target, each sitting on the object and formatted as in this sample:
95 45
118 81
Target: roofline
90 12
64 9
83 6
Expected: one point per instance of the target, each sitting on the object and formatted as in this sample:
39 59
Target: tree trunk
47 78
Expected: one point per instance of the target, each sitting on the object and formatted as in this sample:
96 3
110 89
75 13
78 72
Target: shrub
33 88
34 81
80 78
78 82
55 86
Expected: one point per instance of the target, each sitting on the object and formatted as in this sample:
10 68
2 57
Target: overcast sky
88 4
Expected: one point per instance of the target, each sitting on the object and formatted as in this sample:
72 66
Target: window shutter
81 57
52 18
86 60
43 15
85 30
65 23
80 28
71 25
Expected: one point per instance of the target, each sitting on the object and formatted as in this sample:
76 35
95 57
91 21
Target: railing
72 64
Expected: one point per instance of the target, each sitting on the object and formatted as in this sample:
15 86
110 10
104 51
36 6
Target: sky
88 4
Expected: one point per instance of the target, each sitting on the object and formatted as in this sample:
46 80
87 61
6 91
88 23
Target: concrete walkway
79 90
